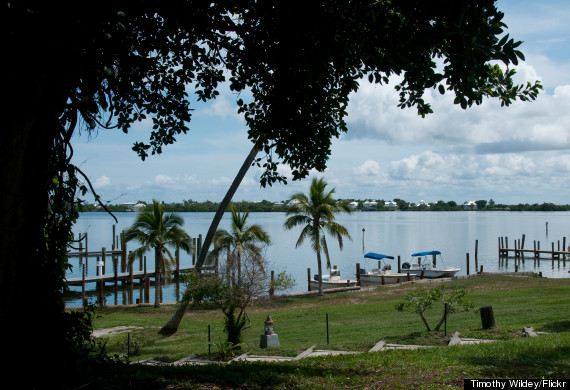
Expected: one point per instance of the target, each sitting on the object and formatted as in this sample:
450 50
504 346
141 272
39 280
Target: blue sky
516 154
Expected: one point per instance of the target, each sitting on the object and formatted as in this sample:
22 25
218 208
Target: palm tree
157 230
316 212
241 240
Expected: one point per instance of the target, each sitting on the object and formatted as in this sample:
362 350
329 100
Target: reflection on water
125 294
397 234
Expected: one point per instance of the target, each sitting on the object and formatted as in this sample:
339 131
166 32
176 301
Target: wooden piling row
518 252
122 271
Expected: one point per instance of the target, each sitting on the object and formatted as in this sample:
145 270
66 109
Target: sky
515 154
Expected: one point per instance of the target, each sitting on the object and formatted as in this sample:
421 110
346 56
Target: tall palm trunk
158 276
316 230
238 268
172 325
320 270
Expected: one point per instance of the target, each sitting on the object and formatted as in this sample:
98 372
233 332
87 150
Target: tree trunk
172 325
238 268
157 276
441 321
320 271
30 273
425 322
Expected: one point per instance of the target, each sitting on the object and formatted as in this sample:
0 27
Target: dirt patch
114 330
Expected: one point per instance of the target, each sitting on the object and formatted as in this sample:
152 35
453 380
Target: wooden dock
123 276
122 272
536 254
519 251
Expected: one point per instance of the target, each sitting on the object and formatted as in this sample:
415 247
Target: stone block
269 340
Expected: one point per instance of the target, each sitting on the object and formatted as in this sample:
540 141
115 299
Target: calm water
391 233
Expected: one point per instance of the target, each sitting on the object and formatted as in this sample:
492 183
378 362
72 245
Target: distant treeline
379 205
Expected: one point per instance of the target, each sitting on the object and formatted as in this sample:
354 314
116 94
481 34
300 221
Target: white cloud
221 181
369 168
101 182
220 107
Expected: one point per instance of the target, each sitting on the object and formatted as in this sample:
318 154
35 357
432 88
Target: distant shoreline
364 206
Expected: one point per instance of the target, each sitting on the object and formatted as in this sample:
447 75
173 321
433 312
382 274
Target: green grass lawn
356 322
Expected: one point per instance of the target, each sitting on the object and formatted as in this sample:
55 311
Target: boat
382 274
332 280
427 266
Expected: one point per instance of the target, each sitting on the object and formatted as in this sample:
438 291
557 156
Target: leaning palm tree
241 240
316 213
158 230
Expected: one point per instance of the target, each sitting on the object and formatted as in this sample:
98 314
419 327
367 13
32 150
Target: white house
292 202
390 205
139 206
369 204
470 205
353 205
134 207
422 203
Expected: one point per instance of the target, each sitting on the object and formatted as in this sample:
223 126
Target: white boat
332 280
382 274
427 267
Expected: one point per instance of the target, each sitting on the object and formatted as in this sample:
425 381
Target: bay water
396 233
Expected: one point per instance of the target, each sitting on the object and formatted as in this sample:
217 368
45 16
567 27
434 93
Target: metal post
327 329
272 285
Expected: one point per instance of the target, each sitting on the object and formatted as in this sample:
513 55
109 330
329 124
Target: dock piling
476 253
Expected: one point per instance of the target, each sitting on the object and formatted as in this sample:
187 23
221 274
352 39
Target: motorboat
427 267
332 280
383 274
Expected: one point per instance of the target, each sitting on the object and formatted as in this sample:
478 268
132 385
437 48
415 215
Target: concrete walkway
311 352
456 340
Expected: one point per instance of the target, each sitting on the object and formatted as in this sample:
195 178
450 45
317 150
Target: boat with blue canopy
383 273
427 266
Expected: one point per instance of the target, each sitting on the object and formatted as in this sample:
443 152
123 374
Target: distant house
129 205
370 204
422 203
391 205
470 205
278 204
292 202
353 205
134 207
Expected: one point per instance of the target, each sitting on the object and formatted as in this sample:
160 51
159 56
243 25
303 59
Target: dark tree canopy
107 64
292 68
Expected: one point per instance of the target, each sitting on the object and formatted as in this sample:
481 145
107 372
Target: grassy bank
356 322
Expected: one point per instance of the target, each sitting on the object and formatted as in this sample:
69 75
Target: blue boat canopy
377 256
426 253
